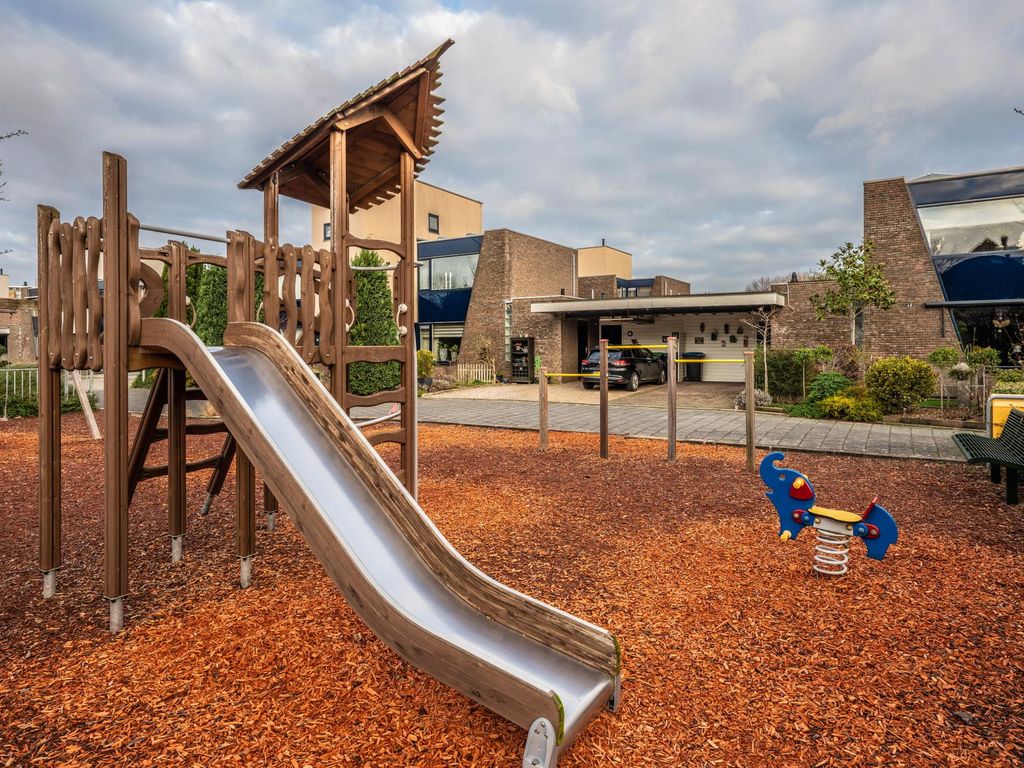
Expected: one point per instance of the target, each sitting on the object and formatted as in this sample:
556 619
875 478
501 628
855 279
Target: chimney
602 241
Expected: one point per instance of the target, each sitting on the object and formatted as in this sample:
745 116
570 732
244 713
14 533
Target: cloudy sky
716 140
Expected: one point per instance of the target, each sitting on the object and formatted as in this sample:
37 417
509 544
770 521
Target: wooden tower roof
400 112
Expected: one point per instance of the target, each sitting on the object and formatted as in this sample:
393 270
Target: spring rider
793 497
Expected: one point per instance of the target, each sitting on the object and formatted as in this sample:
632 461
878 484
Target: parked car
627 367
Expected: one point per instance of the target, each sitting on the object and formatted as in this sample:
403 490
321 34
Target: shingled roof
373 152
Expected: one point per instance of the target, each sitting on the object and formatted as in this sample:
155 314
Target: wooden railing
467 373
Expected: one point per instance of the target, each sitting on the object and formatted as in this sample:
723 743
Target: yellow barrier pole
604 398
543 409
670 434
748 367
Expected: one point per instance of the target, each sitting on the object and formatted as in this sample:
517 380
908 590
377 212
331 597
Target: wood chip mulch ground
735 655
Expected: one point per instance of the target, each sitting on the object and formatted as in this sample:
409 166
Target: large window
975 227
448 273
508 331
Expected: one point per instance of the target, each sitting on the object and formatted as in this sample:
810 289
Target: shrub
944 358
424 363
847 359
984 357
961 372
1014 374
19 406
825 385
848 406
374 326
785 372
806 410
1008 388
212 306
760 398
898 383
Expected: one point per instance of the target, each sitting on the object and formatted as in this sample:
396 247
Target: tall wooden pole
343 315
49 414
176 310
271 231
748 369
115 383
604 398
670 434
543 415
406 296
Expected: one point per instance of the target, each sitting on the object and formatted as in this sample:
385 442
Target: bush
424 363
1014 374
212 306
806 410
847 359
825 385
898 383
944 358
849 406
374 326
29 407
760 398
985 357
1008 388
785 372
961 372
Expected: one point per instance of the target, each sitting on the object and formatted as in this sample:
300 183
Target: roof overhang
661 305
400 113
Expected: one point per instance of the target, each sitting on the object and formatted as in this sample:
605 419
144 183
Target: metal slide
531 663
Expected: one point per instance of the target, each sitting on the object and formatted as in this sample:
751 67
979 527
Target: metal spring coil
832 553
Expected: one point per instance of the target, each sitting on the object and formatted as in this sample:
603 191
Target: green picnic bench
1007 451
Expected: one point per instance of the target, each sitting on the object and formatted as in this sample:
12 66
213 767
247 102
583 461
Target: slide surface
517 656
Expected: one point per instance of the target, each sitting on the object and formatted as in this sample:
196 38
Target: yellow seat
836 514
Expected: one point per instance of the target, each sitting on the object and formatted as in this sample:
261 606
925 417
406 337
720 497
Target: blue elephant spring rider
793 497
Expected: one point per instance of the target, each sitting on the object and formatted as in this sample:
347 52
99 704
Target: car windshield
613 354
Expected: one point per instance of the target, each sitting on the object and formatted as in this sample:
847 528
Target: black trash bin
694 369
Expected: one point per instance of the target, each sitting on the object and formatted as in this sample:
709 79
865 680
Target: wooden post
670 434
49 413
271 231
176 461
604 398
241 303
116 269
748 369
407 296
339 248
543 409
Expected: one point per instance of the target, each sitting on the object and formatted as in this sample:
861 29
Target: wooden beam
373 185
176 461
318 180
271 232
49 414
406 293
401 133
422 118
339 249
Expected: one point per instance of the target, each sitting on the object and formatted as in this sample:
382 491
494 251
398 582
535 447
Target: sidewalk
702 426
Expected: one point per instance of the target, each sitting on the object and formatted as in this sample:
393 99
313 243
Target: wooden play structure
533 664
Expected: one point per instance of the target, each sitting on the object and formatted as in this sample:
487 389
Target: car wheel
588 385
634 382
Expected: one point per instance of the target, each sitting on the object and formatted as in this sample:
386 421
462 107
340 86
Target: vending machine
523 371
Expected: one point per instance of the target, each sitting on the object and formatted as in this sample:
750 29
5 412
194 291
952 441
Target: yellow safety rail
638 346
572 374
707 360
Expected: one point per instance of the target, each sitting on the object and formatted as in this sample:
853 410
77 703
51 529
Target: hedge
374 326
898 383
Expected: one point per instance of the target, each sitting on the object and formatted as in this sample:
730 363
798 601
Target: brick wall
669 286
16 317
524 269
597 286
908 328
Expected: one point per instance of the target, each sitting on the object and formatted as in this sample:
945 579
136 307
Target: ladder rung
195 466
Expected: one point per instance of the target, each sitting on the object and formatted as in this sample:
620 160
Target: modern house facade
952 247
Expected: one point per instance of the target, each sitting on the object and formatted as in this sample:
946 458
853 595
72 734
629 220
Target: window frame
434 223
327 231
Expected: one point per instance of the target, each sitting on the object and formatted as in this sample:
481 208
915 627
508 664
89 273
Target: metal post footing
49 584
540 745
177 548
116 613
245 571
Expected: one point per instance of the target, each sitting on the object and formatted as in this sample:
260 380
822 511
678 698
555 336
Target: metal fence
23 384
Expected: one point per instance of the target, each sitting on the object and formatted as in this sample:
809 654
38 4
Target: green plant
859 283
810 357
212 306
961 372
898 383
1008 388
984 357
761 398
827 384
849 406
1014 374
785 372
805 410
424 363
944 358
374 326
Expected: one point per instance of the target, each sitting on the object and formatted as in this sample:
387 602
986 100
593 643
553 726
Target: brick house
952 247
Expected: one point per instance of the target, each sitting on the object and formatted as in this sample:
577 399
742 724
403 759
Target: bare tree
761 322
3 184
765 282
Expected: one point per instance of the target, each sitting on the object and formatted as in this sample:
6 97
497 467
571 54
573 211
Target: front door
613 333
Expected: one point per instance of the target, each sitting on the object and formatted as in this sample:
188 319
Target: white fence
23 383
466 373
